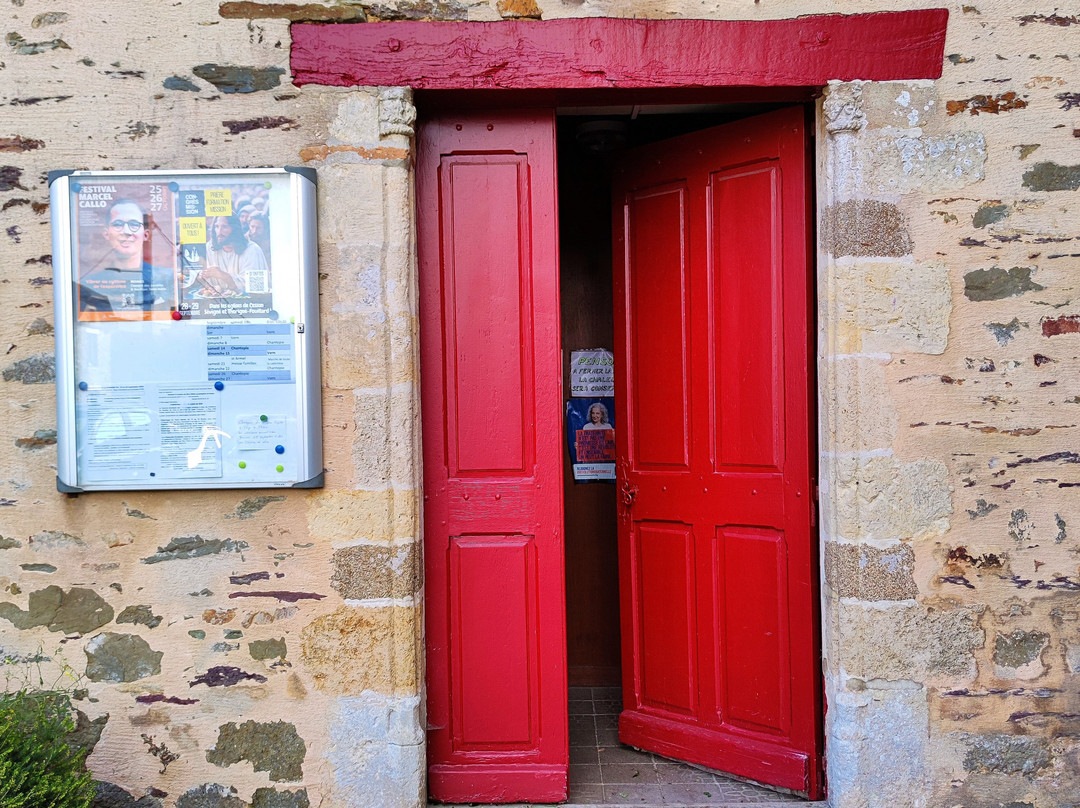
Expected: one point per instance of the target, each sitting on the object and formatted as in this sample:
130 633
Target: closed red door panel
490 375
488 325
748 348
661 352
712 288
664 560
493 655
752 629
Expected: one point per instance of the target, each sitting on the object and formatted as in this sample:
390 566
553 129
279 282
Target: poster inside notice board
186 329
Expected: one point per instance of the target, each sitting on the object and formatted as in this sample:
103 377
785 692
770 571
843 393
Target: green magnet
280 468
242 464
263 418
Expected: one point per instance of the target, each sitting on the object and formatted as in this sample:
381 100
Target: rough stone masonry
227 649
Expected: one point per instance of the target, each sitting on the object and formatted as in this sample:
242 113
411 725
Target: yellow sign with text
219 202
192 230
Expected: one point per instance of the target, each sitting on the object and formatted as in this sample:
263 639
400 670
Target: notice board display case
187 329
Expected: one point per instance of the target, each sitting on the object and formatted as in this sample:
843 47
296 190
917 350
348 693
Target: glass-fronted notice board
187 329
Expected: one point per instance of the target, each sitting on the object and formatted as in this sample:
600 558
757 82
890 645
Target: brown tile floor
604 772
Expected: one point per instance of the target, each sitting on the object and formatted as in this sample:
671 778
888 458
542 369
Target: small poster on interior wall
592 373
590 436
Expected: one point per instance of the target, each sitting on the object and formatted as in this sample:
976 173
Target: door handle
628 494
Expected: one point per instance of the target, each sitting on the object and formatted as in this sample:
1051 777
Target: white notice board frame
187 357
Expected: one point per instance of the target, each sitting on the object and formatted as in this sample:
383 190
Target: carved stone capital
396 112
843 107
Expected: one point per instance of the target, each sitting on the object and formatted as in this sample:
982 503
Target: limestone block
900 164
387 442
878 741
355 281
368 350
906 105
886 498
870 573
356 120
892 306
340 518
858 414
377 717
357 212
376 752
923 641
355 649
842 107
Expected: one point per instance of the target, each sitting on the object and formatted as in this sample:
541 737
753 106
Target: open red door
717 547
491 376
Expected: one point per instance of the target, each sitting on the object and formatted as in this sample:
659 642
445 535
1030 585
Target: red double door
717 554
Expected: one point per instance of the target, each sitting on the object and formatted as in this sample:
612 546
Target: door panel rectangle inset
657 266
754 635
493 613
746 313
485 202
667 619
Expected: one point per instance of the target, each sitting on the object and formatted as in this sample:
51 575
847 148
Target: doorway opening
708 318
589 142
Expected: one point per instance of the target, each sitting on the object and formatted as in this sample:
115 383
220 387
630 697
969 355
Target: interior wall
592 584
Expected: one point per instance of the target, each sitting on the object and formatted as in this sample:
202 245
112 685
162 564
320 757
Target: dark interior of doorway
590 140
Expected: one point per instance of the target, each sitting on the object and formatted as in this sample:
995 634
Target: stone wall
948 225
265 648
225 647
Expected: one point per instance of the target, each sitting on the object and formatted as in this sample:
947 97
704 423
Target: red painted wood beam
604 52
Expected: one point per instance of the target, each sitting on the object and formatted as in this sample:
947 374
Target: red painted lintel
604 52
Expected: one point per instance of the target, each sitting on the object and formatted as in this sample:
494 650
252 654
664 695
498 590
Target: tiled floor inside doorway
604 772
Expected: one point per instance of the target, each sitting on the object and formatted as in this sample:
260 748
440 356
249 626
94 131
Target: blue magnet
279 449
76 187
84 386
219 385
174 186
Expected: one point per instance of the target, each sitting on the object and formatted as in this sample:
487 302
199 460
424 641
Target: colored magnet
279 449
84 386
177 315
242 464
280 468
219 385
263 418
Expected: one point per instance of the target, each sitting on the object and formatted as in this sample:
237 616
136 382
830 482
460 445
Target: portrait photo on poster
126 247
590 438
